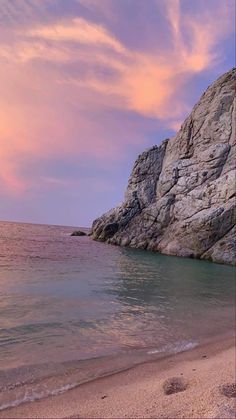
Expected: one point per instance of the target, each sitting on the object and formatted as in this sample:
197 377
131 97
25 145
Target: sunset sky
86 85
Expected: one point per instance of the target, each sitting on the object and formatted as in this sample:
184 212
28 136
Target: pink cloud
47 110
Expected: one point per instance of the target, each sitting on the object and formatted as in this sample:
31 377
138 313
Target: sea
73 309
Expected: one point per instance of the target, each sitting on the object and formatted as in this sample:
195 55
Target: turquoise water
72 308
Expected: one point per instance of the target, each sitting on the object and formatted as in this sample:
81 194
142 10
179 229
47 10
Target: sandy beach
138 392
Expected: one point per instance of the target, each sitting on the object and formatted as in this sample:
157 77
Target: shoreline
138 390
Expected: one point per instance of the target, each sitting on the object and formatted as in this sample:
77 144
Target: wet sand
138 392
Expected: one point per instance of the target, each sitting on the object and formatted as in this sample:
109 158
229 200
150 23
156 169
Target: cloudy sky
86 85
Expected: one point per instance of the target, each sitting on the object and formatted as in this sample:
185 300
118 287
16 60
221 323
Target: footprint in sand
174 385
228 390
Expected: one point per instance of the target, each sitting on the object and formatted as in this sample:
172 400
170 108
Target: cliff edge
180 198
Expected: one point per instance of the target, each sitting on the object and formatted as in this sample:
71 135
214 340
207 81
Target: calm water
72 309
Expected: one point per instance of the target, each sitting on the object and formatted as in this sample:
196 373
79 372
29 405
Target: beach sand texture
139 391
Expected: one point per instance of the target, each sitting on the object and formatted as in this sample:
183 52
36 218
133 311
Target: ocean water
72 309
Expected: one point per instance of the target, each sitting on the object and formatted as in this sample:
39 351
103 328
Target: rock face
180 198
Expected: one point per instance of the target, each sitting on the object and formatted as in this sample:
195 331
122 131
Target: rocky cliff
180 198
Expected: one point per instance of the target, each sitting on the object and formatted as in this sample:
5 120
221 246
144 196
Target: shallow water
72 309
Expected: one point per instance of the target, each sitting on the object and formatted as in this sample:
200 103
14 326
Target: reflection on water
64 298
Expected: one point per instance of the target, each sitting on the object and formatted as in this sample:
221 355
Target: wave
35 382
37 396
175 348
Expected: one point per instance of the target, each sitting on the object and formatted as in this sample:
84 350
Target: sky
87 85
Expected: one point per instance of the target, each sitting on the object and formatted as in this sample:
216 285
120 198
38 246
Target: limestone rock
180 198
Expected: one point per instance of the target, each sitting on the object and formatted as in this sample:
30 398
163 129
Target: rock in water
180 198
78 233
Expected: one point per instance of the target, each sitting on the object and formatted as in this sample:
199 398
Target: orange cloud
149 83
45 109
